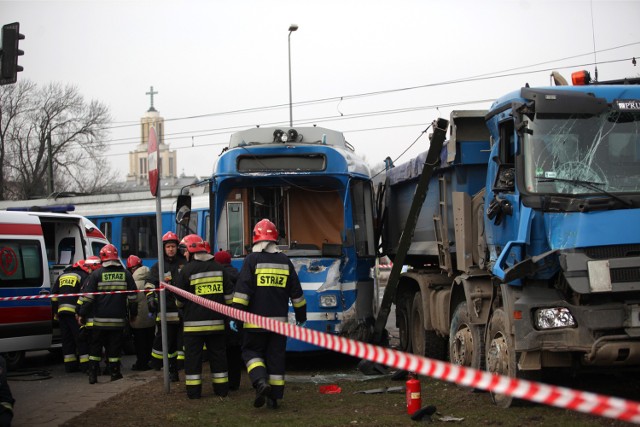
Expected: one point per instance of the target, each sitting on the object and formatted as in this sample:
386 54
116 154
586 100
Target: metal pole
292 28
163 298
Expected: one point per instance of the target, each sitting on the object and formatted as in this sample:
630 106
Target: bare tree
15 103
51 127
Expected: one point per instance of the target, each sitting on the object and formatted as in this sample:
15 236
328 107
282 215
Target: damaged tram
310 183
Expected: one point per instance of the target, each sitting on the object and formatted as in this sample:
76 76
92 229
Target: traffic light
9 66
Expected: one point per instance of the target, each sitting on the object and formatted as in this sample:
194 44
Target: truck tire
466 341
500 353
423 342
403 322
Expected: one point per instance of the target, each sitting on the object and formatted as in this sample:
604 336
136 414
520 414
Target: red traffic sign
152 157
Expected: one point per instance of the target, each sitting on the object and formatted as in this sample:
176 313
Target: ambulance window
20 264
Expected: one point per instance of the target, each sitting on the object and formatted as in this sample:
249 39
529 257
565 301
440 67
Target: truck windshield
603 150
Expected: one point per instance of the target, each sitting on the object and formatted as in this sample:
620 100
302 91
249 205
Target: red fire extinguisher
414 398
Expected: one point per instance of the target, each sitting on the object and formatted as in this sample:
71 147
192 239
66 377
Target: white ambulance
34 249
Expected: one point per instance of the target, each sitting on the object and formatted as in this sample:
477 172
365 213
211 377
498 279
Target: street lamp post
292 28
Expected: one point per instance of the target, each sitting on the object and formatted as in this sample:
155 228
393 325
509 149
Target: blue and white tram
309 182
128 220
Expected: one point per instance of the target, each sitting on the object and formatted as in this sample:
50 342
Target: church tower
138 167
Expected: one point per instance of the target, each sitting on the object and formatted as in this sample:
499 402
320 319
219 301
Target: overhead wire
192 135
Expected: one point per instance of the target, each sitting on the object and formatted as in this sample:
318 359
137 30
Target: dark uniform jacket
265 284
69 282
207 279
110 310
171 267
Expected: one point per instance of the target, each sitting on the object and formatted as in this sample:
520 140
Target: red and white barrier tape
44 296
561 397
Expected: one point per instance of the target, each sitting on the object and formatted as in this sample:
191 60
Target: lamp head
293 27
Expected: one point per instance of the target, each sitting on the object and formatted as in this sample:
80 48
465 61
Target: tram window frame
235 226
106 227
362 222
132 228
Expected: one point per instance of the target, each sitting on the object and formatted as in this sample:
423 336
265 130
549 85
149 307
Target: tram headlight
552 318
328 301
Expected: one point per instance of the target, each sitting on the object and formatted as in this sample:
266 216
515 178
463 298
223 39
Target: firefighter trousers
173 332
263 354
111 340
215 353
69 331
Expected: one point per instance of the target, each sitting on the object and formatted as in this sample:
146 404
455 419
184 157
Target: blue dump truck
525 254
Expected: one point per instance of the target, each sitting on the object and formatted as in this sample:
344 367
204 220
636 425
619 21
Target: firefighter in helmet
266 283
206 278
173 262
64 309
84 337
109 311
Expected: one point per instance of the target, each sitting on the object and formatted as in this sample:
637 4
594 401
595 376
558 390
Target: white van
34 249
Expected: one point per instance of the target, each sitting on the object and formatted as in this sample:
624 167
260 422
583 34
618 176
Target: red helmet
193 243
222 257
133 261
93 262
265 230
170 237
80 264
207 246
108 253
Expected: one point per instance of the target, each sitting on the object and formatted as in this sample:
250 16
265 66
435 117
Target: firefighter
84 336
266 283
234 336
173 262
144 327
64 308
206 278
109 311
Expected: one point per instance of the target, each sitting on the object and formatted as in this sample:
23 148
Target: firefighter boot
173 371
272 403
263 389
114 368
93 372
194 391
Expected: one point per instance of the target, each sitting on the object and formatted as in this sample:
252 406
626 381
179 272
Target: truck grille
617 251
619 275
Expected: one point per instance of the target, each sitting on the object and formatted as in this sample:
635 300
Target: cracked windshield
583 154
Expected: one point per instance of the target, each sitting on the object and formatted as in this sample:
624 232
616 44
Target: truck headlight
556 317
328 301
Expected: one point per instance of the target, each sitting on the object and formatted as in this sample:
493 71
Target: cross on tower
151 93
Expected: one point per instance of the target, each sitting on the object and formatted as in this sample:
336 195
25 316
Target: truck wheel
466 344
500 353
403 309
423 342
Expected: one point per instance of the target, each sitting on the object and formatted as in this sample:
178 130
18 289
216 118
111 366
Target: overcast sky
375 70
